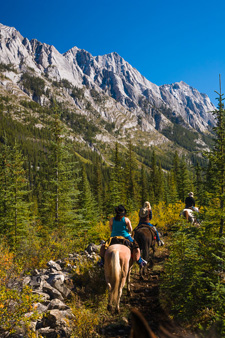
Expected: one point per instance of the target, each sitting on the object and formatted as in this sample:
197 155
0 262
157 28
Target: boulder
54 265
53 293
56 318
57 304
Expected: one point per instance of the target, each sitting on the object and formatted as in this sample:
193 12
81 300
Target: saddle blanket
121 240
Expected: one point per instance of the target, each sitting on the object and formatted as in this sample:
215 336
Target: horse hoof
117 311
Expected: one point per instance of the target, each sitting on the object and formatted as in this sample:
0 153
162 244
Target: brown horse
141 329
146 238
117 268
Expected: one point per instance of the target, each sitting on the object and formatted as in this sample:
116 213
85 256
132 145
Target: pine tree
15 207
5 196
185 184
160 185
217 157
87 204
144 190
199 186
156 181
172 195
60 193
131 179
153 179
98 187
117 188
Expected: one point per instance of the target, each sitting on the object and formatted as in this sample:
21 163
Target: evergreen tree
5 195
217 157
14 205
144 191
171 193
199 186
185 184
98 187
60 196
156 181
160 185
87 204
131 179
153 179
117 189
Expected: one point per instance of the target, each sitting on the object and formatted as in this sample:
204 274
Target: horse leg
109 306
121 286
117 309
186 215
128 283
145 256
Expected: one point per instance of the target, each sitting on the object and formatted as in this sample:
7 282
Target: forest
57 197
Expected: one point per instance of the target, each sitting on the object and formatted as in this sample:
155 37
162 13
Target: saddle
121 240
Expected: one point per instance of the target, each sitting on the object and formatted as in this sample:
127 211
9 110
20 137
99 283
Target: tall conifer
131 178
60 196
14 205
217 157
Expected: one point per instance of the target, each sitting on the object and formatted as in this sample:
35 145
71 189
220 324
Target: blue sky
167 41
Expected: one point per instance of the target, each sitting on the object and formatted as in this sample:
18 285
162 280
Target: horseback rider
187 212
190 202
145 215
121 226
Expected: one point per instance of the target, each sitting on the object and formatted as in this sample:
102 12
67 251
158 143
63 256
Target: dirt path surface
145 298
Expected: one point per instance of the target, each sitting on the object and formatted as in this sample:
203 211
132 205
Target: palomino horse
117 268
146 238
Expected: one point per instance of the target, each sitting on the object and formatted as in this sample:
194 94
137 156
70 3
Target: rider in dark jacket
189 201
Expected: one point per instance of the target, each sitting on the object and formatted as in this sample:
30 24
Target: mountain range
105 98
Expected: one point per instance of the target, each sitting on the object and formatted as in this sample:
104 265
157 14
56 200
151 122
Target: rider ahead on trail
145 215
190 202
121 226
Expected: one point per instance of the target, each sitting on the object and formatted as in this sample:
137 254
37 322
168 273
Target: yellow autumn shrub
14 303
85 322
164 216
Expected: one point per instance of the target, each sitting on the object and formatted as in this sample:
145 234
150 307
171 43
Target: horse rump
116 267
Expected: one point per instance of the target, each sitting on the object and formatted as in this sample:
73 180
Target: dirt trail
145 297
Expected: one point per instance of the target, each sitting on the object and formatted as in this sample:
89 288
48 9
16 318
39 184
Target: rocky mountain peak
150 105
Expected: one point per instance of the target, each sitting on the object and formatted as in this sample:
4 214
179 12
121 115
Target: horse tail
116 275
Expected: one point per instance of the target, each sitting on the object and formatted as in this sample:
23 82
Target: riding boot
141 262
160 242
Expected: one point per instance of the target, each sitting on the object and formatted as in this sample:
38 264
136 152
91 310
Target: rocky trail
65 292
